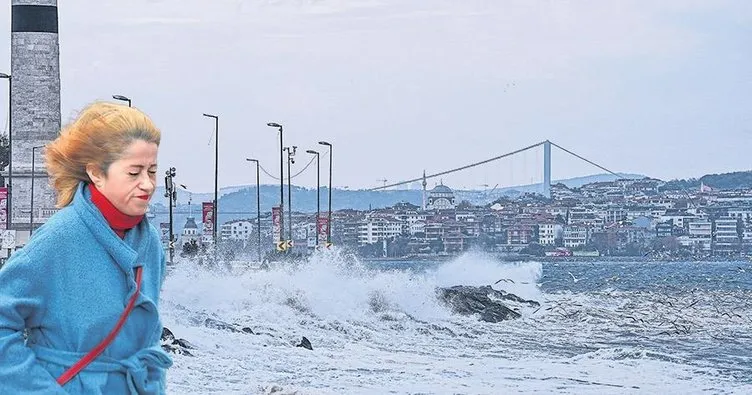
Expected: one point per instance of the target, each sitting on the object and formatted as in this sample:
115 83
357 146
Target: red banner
276 224
3 205
322 228
208 217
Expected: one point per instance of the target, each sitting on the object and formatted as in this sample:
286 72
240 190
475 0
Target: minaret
35 105
425 184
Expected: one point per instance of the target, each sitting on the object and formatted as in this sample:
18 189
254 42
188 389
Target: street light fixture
122 98
258 205
318 192
216 176
8 202
281 180
329 220
33 171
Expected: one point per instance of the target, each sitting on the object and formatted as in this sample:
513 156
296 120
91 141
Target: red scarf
118 221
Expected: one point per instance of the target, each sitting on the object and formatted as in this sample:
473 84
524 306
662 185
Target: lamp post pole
216 177
33 174
329 219
281 180
318 192
170 194
122 98
290 160
258 206
9 202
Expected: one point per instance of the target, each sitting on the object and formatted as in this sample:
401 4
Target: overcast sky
662 88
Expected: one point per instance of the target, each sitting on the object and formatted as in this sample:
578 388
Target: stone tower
35 106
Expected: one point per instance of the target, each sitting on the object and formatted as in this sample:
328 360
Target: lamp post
8 202
33 174
281 180
216 175
258 206
122 98
290 160
318 192
329 220
171 196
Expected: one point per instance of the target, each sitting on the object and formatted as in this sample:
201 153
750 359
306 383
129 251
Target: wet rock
305 343
173 345
483 301
221 325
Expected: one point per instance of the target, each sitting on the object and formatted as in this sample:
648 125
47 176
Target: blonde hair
100 135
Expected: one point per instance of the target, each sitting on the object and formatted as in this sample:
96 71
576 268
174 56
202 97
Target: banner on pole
164 228
276 225
3 205
208 217
322 228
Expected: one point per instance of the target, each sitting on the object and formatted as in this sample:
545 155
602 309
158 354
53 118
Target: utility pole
290 160
281 180
318 193
258 206
171 196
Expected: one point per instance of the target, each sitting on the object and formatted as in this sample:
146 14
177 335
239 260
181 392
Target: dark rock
484 301
248 330
221 325
176 346
184 343
167 334
305 343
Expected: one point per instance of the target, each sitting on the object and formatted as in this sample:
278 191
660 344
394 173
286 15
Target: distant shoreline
527 258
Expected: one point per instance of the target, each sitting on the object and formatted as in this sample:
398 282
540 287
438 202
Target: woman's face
131 180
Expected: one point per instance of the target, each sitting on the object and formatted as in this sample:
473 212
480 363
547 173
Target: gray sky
659 88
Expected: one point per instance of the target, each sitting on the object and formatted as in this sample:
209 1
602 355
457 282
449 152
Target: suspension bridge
547 144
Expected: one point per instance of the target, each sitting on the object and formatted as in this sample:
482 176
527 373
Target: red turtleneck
118 221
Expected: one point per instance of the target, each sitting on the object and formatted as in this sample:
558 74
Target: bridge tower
34 107
547 169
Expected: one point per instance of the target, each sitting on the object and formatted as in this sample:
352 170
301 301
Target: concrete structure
547 169
35 106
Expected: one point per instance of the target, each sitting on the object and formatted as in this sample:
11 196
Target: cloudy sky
662 88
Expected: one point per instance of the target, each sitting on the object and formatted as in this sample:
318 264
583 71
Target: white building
190 232
377 229
700 235
549 232
237 230
575 236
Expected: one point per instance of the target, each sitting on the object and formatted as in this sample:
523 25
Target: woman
70 285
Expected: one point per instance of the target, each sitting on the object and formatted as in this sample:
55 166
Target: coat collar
123 251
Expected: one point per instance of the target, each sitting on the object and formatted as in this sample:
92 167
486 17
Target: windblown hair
100 136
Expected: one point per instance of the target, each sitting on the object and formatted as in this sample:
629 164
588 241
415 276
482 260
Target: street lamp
171 196
122 98
8 202
258 206
281 179
33 171
318 192
329 220
290 160
216 175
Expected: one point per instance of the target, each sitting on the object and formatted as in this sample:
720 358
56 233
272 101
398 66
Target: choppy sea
379 328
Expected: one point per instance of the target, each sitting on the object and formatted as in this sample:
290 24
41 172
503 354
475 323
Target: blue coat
67 287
